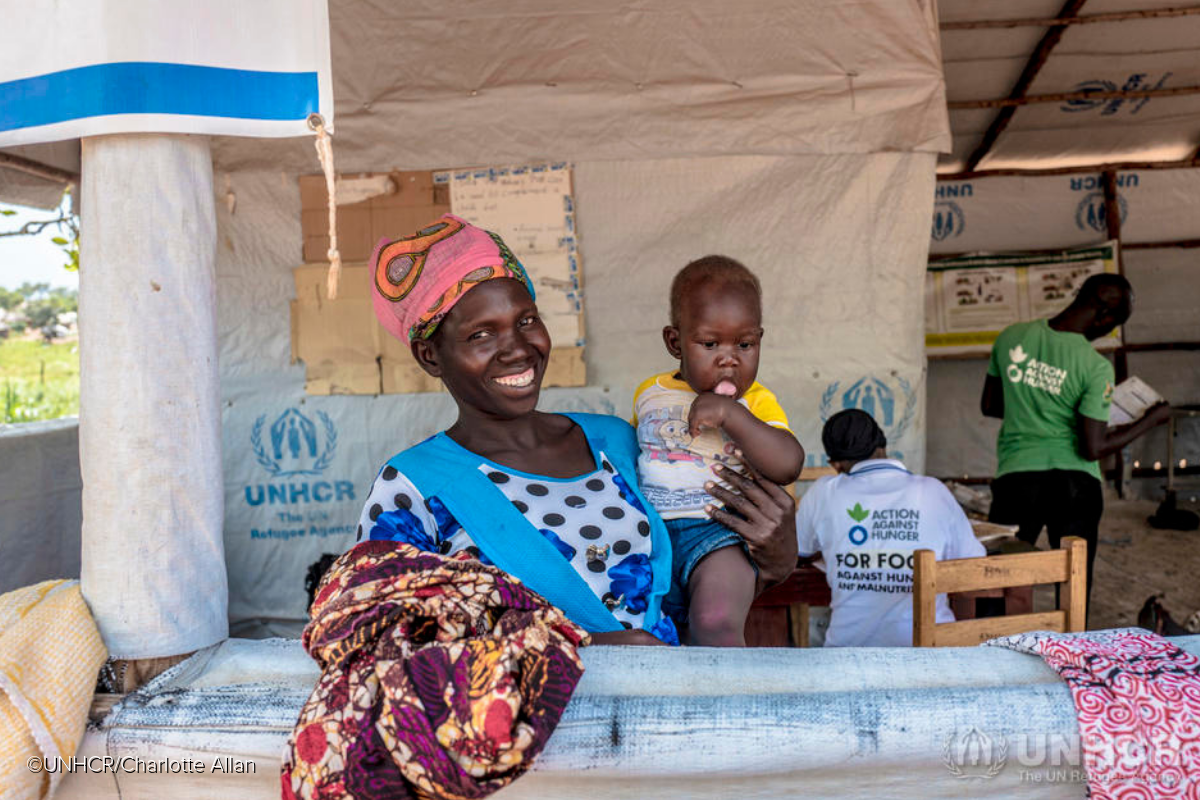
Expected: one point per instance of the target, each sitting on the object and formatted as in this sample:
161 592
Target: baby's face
719 338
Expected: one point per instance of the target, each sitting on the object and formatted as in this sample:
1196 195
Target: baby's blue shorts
692 539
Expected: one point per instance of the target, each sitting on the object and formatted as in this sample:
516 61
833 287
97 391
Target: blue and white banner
225 67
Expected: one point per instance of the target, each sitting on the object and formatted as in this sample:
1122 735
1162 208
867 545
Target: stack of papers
1130 400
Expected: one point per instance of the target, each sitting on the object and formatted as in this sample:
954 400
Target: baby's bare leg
720 592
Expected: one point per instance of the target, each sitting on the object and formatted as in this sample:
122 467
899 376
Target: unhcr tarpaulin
648 722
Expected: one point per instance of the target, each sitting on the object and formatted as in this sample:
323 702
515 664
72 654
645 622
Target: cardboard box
344 348
346 351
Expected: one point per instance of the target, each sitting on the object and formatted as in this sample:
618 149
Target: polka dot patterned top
595 521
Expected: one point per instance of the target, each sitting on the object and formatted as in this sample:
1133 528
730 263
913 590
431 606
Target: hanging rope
324 146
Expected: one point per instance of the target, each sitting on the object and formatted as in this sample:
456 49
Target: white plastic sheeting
857 722
835 242
838 242
1025 213
40 498
153 563
122 66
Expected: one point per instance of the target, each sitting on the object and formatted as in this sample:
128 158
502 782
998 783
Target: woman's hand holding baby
765 519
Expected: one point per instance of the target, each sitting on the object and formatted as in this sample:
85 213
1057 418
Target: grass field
38 381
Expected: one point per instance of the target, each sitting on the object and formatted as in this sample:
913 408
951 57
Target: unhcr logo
293 444
974 755
1138 81
893 404
948 221
1091 213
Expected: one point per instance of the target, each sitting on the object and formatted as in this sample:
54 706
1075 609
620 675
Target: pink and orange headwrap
415 281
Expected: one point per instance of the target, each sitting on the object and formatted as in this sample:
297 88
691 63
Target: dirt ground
1135 561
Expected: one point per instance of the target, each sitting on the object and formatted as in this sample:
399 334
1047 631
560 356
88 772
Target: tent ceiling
1155 54
35 175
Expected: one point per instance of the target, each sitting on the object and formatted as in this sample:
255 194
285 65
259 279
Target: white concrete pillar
153 563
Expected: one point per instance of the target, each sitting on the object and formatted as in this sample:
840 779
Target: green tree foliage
32 291
66 224
40 304
41 313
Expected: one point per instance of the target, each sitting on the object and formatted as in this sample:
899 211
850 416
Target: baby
691 420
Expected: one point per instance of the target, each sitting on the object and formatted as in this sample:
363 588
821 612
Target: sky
32 258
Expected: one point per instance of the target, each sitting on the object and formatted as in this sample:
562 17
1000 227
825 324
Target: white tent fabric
431 85
150 443
40 497
840 723
1063 211
140 66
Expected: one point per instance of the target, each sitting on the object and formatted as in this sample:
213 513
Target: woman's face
491 350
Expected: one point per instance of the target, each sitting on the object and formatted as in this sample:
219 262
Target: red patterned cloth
440 678
1137 697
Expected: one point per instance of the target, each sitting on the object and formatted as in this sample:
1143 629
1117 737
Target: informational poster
532 209
970 299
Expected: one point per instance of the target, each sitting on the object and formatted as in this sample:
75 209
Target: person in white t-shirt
866 522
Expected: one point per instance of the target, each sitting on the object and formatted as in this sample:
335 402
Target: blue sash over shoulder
440 467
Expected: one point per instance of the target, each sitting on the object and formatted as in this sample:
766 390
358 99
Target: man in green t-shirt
1053 390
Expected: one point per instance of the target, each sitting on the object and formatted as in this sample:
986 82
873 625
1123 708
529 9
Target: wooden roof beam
1120 166
30 167
1032 68
1036 22
1063 97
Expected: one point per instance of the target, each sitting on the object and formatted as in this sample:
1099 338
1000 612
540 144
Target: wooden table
779 617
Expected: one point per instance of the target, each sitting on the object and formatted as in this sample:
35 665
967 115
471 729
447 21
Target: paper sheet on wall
969 300
532 209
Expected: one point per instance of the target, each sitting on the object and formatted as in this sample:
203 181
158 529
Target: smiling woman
549 498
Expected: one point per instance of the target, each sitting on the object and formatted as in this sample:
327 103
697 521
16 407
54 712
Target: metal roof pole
153 562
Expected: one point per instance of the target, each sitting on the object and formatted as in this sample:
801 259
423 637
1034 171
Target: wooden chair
1067 565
